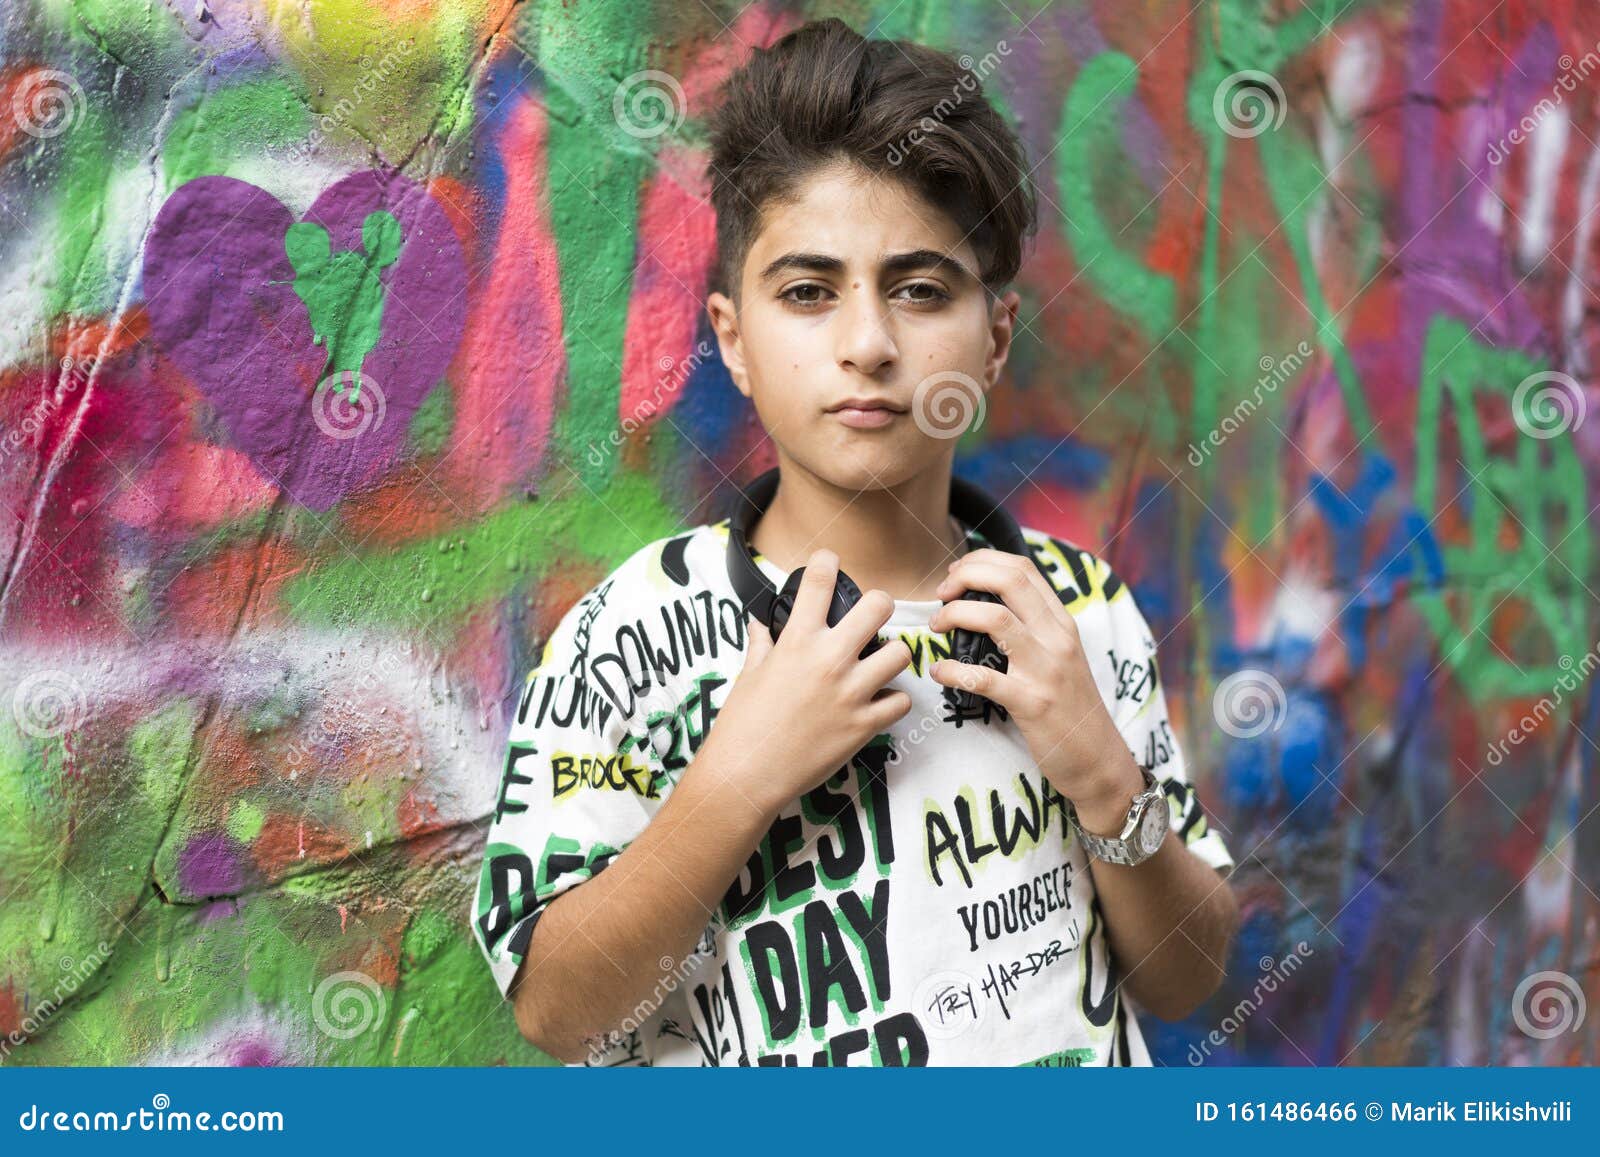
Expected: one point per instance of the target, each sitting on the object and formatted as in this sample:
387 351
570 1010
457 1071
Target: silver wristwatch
1141 836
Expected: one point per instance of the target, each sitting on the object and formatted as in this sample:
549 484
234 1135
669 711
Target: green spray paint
440 579
1296 181
342 292
597 159
1090 124
225 129
1543 485
430 425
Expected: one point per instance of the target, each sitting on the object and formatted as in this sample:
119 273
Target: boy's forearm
1169 921
601 948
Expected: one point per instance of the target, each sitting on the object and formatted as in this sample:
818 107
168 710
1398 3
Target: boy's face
861 290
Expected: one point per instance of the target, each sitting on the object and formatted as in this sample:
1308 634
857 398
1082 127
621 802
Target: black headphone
969 504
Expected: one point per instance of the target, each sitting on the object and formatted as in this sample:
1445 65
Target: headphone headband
969 504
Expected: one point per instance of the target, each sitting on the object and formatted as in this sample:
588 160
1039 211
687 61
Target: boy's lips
866 413
866 418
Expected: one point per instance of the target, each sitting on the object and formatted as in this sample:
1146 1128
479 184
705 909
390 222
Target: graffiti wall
344 344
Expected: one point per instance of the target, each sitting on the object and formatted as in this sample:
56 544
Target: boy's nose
863 337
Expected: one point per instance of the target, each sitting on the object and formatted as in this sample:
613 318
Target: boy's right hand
803 706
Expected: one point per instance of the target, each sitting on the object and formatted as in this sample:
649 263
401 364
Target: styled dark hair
824 93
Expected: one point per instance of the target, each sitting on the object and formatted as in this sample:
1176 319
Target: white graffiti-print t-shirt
927 904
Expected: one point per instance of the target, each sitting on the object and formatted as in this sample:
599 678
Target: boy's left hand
1047 687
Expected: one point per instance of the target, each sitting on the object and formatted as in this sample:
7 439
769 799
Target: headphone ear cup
977 648
845 595
783 603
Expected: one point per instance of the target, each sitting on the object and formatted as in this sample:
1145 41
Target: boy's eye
924 293
916 292
808 287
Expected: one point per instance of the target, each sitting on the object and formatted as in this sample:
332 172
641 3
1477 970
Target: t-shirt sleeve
1139 707
575 788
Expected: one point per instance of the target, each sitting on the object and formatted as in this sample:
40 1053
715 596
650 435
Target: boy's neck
900 540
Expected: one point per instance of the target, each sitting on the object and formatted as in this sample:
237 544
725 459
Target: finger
985 681
996 620
1003 579
810 608
759 644
884 664
883 711
1050 596
862 621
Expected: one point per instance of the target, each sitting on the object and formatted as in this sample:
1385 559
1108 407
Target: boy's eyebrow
895 263
927 259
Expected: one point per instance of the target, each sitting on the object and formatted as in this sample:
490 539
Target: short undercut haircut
823 94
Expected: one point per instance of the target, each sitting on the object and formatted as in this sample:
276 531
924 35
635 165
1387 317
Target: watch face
1152 831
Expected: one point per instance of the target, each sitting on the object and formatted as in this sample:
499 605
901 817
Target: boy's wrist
1103 811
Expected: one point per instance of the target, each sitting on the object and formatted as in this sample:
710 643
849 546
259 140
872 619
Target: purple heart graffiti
375 254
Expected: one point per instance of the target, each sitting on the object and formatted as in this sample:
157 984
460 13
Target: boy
845 869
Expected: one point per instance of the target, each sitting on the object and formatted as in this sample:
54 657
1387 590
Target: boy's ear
725 324
1002 327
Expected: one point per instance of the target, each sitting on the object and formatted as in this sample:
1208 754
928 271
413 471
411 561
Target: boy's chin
869 471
